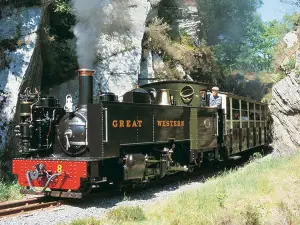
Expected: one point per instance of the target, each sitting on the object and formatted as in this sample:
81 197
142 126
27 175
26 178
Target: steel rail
15 207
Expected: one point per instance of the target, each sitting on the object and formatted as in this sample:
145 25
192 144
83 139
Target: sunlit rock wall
109 39
18 26
285 111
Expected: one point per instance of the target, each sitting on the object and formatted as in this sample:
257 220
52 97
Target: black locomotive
158 129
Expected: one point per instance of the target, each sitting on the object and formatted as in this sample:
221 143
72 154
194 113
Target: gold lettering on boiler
170 123
127 123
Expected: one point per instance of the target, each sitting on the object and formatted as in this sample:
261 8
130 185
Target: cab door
207 128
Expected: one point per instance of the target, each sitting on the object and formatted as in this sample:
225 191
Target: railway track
21 206
16 207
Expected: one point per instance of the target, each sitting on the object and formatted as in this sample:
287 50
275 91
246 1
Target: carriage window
257 112
251 111
235 109
244 111
153 94
263 113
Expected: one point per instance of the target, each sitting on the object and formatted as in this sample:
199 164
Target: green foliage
227 20
292 2
9 191
291 64
170 11
63 6
240 84
221 196
88 221
252 216
242 41
176 52
255 51
59 47
60 62
249 195
126 214
61 20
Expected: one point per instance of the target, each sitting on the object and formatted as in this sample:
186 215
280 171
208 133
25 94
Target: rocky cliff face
20 59
285 110
183 18
285 105
110 43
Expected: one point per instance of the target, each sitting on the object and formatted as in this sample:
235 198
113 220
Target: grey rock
285 111
291 38
297 65
110 43
25 65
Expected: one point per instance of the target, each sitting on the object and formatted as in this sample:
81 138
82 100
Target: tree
292 2
226 20
255 50
234 29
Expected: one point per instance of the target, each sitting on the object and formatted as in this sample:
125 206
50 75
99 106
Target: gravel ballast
98 207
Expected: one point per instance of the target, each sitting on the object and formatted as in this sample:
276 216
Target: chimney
85 77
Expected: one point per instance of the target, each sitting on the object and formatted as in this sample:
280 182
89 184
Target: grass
9 191
265 191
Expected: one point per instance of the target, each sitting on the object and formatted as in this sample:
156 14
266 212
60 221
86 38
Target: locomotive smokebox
85 77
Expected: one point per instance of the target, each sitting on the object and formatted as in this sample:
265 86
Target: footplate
62 194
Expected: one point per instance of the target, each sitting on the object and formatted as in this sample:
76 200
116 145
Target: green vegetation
232 40
263 192
89 221
58 45
125 214
176 52
9 191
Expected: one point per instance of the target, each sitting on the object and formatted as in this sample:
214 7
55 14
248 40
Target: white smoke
95 18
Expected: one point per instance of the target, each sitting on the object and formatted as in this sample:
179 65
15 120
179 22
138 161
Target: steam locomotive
157 129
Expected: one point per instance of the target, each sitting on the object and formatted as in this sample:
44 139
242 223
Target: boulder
285 112
290 39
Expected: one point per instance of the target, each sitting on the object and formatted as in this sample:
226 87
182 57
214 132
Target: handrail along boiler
158 129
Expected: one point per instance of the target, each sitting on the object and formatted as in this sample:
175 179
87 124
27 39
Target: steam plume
94 18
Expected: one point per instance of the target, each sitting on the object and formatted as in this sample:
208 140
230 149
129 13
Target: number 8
59 168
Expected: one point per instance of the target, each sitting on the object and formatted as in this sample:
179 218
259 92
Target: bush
182 52
88 221
126 214
9 191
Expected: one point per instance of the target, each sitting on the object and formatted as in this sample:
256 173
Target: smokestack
85 77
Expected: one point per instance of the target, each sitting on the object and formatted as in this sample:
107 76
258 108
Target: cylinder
85 77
